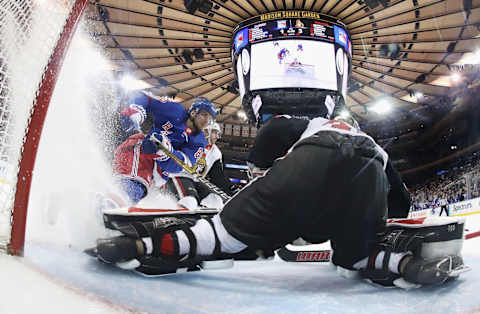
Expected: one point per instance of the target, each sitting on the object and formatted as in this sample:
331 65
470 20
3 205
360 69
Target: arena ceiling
404 52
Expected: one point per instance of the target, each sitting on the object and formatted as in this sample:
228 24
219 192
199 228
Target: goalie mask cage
34 36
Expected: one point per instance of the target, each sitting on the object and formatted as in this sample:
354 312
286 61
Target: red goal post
19 139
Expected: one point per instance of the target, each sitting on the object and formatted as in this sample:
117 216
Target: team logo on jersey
338 125
167 126
165 99
198 153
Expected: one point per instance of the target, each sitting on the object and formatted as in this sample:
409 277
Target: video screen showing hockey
293 63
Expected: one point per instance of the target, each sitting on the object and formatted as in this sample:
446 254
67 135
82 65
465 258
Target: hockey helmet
202 103
213 127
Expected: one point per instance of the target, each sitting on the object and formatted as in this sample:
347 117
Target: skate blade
91 252
128 265
460 270
220 264
167 273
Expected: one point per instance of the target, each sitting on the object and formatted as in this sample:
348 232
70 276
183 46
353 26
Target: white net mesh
29 31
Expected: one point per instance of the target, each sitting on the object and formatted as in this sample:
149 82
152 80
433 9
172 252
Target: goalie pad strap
192 240
141 230
216 250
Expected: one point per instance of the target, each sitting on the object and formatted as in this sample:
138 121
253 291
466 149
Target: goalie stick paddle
303 256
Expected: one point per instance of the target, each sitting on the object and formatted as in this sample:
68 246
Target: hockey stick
191 170
304 256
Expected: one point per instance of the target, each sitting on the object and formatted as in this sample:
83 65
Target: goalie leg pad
430 247
428 238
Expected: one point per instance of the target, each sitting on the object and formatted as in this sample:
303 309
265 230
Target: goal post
30 31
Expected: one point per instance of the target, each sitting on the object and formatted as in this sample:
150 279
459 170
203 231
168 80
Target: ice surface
26 289
257 287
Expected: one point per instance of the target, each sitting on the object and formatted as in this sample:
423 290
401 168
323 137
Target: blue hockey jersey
170 119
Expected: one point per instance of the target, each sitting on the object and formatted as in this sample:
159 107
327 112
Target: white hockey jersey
322 124
213 154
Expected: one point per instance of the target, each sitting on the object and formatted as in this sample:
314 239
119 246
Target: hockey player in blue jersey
178 129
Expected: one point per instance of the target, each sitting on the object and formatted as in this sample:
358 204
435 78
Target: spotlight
418 96
383 50
477 56
394 50
381 107
372 4
242 115
390 50
202 5
198 53
187 55
455 78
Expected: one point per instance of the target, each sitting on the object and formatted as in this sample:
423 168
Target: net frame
33 130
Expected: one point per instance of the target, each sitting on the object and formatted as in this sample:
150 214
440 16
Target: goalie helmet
202 103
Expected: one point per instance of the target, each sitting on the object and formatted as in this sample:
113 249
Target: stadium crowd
458 184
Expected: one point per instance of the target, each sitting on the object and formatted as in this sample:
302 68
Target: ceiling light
381 107
419 96
242 115
455 77
344 114
477 56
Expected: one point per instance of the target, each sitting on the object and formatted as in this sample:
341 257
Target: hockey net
34 36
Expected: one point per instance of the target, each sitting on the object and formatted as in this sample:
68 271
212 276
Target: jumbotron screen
292 63
291 50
